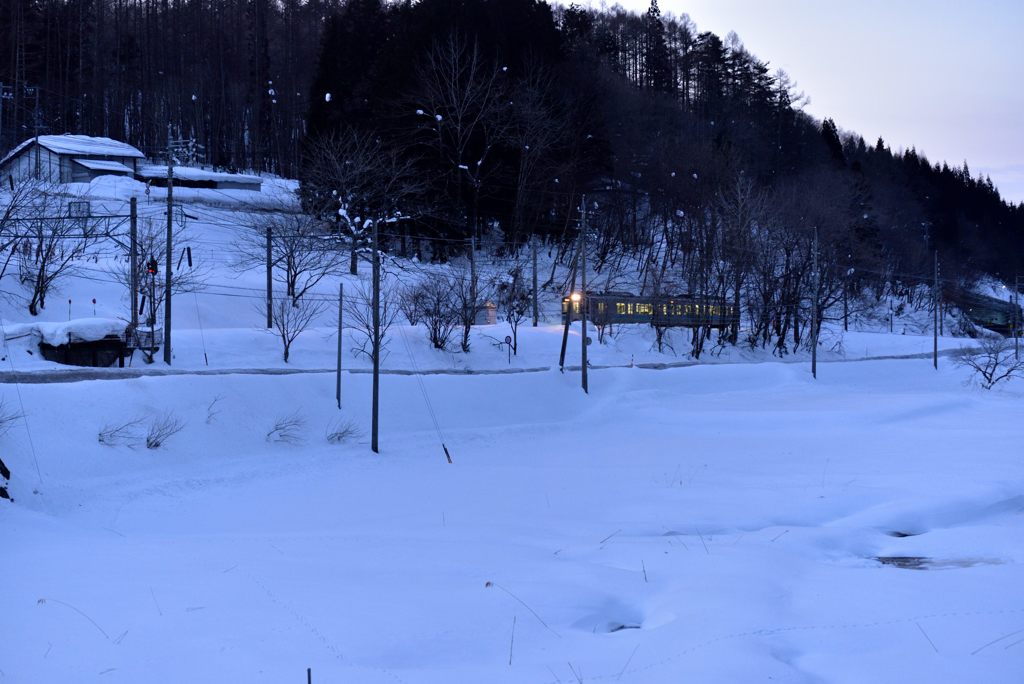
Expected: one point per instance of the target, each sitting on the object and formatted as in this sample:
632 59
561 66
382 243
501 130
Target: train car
682 311
992 313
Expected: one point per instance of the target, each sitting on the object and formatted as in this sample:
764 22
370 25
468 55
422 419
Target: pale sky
944 76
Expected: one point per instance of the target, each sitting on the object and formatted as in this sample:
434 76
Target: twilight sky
944 76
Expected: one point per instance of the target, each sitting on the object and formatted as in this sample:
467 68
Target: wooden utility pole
935 313
270 280
341 299
37 123
814 306
1017 321
170 250
375 422
846 308
152 311
133 224
3 92
568 313
583 296
533 254
472 275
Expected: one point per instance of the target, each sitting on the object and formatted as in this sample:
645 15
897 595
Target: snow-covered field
716 522
705 524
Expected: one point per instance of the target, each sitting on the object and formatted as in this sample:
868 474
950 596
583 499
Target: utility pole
568 313
270 282
583 297
341 299
472 274
1013 321
3 96
152 306
935 312
814 306
533 254
134 233
846 308
170 251
35 90
375 423
1016 319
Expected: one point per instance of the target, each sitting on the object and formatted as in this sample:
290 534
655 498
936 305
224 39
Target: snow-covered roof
103 165
79 144
194 174
76 330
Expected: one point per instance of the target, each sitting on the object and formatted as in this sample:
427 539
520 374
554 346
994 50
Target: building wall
24 165
56 168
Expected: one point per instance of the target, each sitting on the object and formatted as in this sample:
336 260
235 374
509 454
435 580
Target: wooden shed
70 159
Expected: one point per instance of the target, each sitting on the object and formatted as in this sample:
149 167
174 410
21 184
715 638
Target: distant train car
995 314
683 311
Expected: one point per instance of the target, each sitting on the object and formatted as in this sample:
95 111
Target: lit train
684 311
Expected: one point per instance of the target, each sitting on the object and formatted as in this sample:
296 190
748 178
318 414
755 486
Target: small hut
70 159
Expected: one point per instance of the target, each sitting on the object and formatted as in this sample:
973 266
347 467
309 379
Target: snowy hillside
728 519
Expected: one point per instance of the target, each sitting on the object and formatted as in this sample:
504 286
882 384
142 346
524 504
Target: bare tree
661 285
514 300
742 207
437 308
292 317
536 126
359 180
20 205
462 102
412 304
359 311
992 361
49 242
469 302
302 252
152 244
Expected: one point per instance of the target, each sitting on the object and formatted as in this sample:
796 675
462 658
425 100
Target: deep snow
714 523
698 524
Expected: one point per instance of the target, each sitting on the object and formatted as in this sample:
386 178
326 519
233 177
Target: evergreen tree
830 134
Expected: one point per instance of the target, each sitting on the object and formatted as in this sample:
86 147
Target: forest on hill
460 118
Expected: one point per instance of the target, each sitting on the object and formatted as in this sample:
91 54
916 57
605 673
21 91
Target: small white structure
70 159
190 177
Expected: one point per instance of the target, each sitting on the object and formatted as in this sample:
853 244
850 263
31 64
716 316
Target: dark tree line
498 115
545 103
232 74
